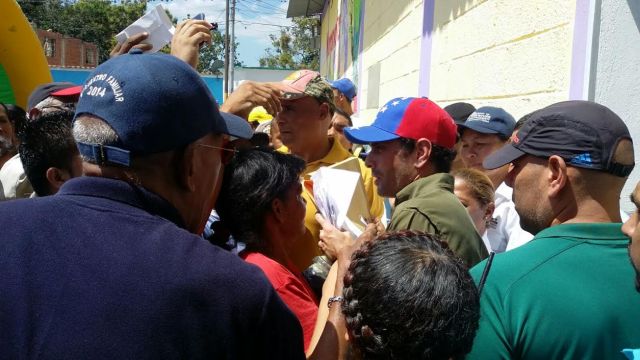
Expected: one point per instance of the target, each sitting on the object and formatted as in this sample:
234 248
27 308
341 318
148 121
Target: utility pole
233 42
226 54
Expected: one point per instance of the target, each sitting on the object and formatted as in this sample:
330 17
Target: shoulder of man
13 180
233 300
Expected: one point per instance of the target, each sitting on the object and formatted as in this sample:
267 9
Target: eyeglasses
226 154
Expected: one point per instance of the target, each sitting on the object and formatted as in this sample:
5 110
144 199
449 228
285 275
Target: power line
263 7
258 23
251 9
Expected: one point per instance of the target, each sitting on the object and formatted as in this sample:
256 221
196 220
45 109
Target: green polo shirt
567 294
429 205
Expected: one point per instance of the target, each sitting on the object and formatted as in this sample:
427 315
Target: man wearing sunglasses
113 264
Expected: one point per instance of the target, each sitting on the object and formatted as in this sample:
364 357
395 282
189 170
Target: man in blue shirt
111 266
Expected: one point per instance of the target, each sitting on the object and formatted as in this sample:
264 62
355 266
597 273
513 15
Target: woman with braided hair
407 296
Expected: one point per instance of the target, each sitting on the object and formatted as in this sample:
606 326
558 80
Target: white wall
391 56
616 77
258 74
506 53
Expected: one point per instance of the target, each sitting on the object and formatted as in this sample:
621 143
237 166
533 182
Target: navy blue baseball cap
490 120
583 133
154 103
345 86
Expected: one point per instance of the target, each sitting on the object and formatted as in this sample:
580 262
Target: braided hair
407 296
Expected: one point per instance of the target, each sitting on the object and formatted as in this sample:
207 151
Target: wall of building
340 38
391 52
65 51
258 74
512 54
615 78
479 51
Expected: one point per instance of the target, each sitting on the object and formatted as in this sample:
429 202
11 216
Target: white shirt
13 181
506 233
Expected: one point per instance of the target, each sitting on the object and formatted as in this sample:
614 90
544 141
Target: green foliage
98 21
294 47
94 21
210 54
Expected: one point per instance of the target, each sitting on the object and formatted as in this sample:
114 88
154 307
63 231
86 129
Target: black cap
52 89
583 133
459 111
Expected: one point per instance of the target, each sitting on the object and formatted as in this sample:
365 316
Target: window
90 57
49 47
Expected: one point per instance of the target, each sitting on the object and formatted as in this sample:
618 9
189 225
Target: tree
294 47
212 55
94 21
98 21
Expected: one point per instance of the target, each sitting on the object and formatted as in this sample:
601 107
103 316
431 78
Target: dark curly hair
407 296
254 178
441 157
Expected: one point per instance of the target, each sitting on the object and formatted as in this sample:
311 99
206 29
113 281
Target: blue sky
256 19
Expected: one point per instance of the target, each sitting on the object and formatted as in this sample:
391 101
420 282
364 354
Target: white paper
333 190
156 23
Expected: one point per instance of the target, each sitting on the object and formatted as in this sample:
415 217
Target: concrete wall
615 78
479 51
512 54
390 58
258 74
340 36
80 76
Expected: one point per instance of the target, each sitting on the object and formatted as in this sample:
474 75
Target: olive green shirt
429 205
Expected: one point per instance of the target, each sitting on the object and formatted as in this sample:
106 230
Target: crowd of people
140 219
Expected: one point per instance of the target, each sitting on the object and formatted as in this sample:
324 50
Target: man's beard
6 146
636 272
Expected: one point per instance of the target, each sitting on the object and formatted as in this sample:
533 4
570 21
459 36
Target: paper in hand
338 195
156 23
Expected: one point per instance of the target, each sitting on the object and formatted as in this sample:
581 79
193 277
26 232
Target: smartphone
200 16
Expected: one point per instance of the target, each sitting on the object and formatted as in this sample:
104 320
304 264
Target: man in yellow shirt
307 109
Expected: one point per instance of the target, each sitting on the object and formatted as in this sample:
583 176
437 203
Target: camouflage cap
307 83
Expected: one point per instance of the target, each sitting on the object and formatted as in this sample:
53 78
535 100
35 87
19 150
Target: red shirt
293 290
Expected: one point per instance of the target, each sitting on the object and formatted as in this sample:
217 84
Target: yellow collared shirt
306 248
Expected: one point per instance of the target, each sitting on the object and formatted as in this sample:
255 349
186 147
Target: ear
556 175
422 152
277 208
488 213
34 113
56 177
324 111
184 168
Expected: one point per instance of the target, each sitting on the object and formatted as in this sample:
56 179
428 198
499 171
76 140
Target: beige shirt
13 181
